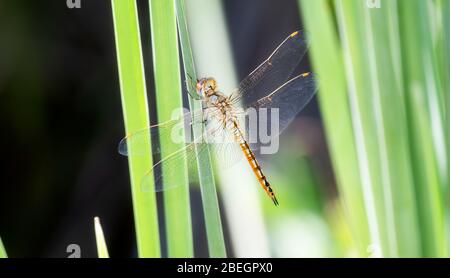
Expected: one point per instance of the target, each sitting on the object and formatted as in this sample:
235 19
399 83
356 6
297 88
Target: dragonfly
272 85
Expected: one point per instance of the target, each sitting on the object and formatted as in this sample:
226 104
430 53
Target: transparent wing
223 144
271 114
274 71
215 137
289 99
136 144
162 172
226 155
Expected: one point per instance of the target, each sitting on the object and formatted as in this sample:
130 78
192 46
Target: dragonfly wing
218 140
274 71
275 112
167 165
227 154
162 174
177 130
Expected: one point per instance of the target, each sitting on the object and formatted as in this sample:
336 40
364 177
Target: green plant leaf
328 64
136 117
445 75
166 67
238 186
382 103
102 249
425 127
213 223
3 254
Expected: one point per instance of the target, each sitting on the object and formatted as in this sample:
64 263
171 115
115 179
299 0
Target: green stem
329 65
216 243
3 254
168 98
421 84
136 117
213 57
102 249
446 77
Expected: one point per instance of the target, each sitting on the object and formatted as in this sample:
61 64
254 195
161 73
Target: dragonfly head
206 87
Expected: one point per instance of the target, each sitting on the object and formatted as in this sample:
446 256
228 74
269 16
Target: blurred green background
361 172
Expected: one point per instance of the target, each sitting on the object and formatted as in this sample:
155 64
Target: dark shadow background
61 119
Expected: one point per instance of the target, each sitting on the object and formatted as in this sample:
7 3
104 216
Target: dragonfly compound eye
212 84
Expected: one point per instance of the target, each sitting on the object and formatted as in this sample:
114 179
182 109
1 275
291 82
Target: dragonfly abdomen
256 168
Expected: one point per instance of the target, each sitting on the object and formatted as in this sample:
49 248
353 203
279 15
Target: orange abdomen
258 172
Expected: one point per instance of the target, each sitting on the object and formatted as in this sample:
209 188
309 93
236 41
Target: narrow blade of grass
420 82
166 66
354 46
3 254
391 69
375 78
102 249
213 223
136 117
328 65
238 187
384 66
445 13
